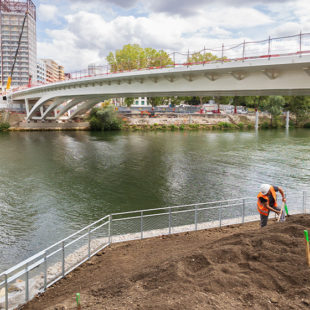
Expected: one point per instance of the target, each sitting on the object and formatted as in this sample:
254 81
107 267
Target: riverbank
134 122
217 268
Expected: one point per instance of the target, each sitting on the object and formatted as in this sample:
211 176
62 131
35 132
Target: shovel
281 215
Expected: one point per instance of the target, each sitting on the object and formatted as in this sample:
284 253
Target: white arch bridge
283 75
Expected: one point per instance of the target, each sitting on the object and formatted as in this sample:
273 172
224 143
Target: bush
105 119
250 126
182 127
194 126
225 125
95 124
265 125
4 126
173 127
307 125
241 125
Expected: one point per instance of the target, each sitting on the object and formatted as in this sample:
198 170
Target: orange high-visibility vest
260 207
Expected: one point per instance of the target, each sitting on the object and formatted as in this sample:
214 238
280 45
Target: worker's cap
264 188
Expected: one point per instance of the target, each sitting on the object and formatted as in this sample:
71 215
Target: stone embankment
18 122
186 119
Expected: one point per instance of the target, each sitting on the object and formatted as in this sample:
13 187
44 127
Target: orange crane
8 84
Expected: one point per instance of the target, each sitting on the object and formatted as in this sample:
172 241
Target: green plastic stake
286 209
78 296
306 235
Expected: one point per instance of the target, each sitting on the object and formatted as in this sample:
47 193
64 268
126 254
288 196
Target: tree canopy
133 56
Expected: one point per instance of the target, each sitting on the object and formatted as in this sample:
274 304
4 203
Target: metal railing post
220 217
269 47
196 218
6 292
169 221
243 210
27 284
304 201
110 226
63 258
45 270
243 51
222 53
89 241
300 44
174 59
141 224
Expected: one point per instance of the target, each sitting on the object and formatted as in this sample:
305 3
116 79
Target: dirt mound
237 267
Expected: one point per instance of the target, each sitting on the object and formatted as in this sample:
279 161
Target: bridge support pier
287 126
27 106
256 120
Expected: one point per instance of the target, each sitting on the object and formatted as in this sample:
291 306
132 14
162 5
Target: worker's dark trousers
264 218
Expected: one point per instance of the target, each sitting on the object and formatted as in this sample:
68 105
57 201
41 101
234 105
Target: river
54 183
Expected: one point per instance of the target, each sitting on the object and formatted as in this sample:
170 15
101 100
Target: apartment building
12 15
53 71
41 72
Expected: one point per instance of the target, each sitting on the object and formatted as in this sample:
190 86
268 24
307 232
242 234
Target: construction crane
8 84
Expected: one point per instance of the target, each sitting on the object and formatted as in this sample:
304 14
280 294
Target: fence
22 282
295 45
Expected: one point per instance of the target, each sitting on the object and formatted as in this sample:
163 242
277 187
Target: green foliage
133 56
225 125
203 57
155 101
265 125
173 127
194 126
241 125
307 125
95 124
182 127
104 119
250 126
129 101
4 126
298 106
274 105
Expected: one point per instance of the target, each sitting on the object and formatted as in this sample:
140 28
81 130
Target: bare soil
236 267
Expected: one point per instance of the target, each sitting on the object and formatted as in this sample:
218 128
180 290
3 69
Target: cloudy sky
79 32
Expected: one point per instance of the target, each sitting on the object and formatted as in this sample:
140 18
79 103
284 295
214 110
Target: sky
77 33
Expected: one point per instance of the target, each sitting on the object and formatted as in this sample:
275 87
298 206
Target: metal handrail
181 206
42 257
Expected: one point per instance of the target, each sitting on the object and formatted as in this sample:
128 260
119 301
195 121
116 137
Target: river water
54 183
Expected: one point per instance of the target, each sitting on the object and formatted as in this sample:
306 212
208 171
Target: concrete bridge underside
277 76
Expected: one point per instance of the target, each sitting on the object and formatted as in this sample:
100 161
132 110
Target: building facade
54 72
12 15
140 102
41 72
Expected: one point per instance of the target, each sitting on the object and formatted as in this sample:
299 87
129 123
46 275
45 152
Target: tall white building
12 13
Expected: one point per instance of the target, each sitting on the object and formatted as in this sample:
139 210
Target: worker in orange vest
267 201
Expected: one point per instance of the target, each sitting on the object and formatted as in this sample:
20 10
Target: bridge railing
294 45
22 282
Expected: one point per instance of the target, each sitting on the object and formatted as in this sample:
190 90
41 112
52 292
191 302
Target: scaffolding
20 6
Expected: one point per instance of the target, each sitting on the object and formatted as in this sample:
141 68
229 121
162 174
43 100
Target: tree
202 57
299 106
274 105
155 101
129 101
133 56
